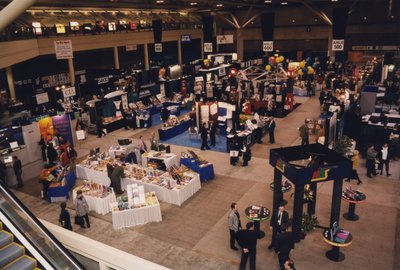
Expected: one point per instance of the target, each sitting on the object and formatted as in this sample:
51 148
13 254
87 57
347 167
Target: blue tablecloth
165 134
62 191
206 172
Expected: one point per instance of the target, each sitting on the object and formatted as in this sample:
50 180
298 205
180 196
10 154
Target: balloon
300 72
310 71
304 69
280 59
267 67
302 64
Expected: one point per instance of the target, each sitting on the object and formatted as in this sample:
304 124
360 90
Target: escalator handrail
44 230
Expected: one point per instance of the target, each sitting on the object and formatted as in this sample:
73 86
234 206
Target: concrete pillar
239 43
331 53
146 57
12 11
10 80
116 58
202 47
71 70
179 52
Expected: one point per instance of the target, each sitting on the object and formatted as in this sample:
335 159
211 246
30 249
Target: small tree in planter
308 224
343 145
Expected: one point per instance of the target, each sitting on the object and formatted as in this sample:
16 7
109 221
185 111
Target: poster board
42 98
63 49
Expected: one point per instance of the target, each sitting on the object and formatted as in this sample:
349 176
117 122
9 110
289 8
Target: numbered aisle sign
208 47
268 46
158 47
338 45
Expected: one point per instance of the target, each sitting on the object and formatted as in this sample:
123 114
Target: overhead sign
63 49
208 47
225 39
102 80
158 47
338 45
69 92
132 47
186 38
268 46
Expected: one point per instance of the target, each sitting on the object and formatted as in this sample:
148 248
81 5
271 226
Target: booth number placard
268 46
338 45
158 47
208 47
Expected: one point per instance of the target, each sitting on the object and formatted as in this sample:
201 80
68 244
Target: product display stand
334 254
351 215
257 214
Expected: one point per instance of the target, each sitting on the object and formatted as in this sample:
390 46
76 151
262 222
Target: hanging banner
208 47
42 98
338 45
62 126
63 49
69 91
225 39
158 47
268 46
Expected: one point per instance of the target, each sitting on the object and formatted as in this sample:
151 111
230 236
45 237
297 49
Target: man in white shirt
384 158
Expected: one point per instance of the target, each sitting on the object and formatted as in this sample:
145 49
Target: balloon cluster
305 68
272 61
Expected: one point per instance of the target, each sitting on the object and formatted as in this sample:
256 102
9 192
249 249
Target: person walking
356 160
204 136
246 152
271 130
82 210
99 126
65 218
304 133
234 225
279 219
371 156
284 244
247 240
17 166
116 178
384 159
234 149
73 155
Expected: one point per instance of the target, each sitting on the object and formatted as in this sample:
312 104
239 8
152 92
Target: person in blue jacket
65 218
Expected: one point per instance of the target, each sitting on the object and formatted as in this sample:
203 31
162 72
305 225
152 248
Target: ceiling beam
226 20
319 13
250 20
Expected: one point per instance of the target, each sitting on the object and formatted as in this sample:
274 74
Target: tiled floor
195 235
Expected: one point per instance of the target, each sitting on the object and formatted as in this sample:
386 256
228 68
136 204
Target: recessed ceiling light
365 18
193 3
334 0
293 20
160 1
268 1
315 20
284 3
220 5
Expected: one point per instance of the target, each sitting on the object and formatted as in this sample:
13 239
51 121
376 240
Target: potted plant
308 224
343 145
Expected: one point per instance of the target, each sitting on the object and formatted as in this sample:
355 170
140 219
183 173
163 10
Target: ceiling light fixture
193 3
284 3
160 1
268 1
220 5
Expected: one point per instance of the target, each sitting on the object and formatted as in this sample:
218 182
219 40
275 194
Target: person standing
82 210
284 244
116 178
133 121
304 133
384 158
17 166
246 154
234 225
247 240
142 145
51 154
164 114
213 131
110 169
204 136
153 142
99 126
279 219
271 130
125 115
72 157
356 160
3 173
234 149
65 218
371 156
42 144
64 160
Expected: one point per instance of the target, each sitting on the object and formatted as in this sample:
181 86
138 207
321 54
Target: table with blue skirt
168 133
60 192
206 172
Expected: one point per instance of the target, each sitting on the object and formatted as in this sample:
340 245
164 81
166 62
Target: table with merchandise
124 215
98 197
168 159
337 239
353 197
257 214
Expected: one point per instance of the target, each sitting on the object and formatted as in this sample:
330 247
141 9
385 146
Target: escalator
25 244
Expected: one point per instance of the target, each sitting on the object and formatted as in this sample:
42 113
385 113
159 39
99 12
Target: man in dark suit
284 244
289 265
213 131
279 218
17 166
204 136
271 130
247 240
116 178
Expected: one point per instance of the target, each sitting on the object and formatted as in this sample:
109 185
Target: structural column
13 10
202 47
116 58
179 52
331 53
239 43
10 80
71 71
146 57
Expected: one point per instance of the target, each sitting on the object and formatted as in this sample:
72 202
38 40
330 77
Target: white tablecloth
98 177
124 149
173 196
136 216
99 205
168 161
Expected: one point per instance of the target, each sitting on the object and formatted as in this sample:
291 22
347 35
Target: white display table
95 176
99 205
116 151
136 216
168 159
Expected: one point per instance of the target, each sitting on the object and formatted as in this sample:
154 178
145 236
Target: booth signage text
186 38
338 45
225 39
208 47
158 47
63 49
268 46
